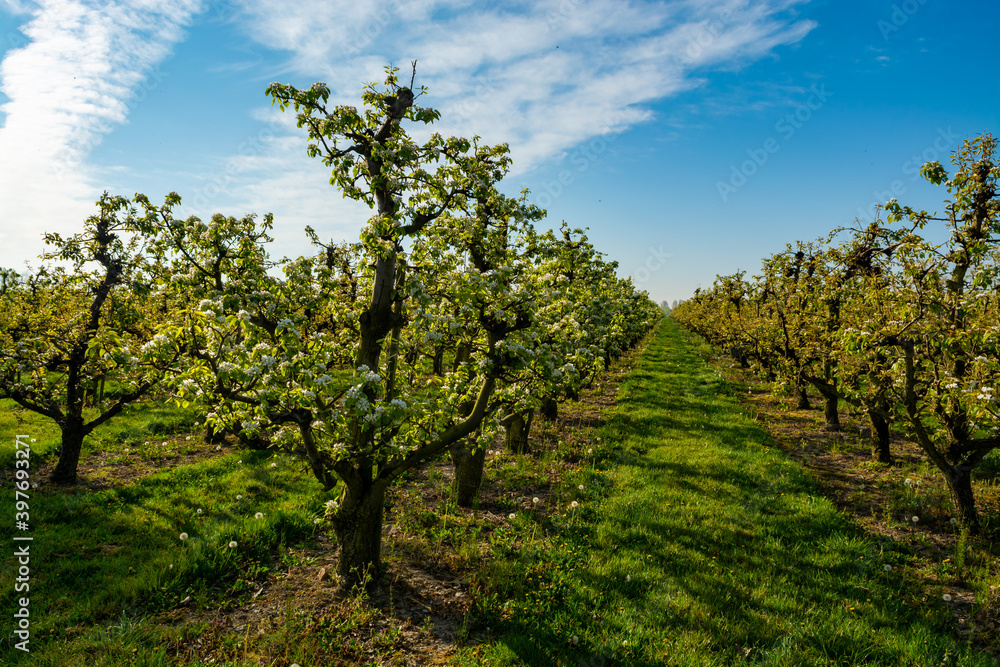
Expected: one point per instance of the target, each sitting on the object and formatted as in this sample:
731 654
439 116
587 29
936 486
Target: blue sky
691 137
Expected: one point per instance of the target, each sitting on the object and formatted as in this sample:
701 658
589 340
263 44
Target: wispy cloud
269 172
542 76
72 82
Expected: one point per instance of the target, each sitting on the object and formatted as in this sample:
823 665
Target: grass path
699 543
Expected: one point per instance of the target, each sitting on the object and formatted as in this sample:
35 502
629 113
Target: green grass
102 561
697 542
136 424
694 541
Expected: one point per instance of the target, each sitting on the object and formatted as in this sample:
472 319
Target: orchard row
451 320
884 318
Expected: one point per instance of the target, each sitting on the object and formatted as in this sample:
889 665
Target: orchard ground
670 528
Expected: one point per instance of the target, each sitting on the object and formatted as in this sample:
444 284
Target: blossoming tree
86 324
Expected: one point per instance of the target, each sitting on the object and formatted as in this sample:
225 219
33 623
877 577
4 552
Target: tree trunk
517 432
439 360
213 437
254 442
880 438
830 412
550 409
412 354
358 527
468 471
959 480
462 353
69 454
803 403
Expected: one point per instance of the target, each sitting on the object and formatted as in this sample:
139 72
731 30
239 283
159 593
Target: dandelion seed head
258 515
914 519
953 521
574 504
232 545
199 510
535 500
183 536
239 497
887 568
580 487
511 516
946 597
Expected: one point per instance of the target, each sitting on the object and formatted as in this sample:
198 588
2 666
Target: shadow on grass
98 554
713 549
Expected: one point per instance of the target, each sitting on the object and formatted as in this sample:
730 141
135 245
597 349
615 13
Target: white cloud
72 82
542 76
271 173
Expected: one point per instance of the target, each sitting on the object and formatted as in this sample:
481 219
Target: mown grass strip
702 544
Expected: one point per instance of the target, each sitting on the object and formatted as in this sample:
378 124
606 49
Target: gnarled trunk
468 471
880 437
213 437
439 360
462 353
803 403
358 528
73 433
959 480
830 401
